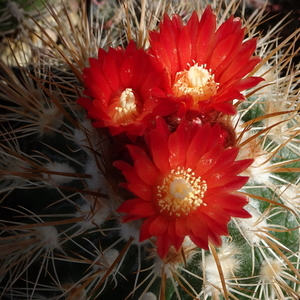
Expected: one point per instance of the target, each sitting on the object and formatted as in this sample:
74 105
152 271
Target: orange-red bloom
122 84
204 66
186 187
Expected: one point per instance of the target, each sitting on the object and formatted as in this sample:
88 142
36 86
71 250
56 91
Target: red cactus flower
186 187
205 67
121 85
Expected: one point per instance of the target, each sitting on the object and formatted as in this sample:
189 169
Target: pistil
125 108
197 82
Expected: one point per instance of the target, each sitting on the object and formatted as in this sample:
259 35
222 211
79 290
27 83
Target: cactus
78 218
16 14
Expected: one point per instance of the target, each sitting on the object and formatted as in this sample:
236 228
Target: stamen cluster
197 82
180 193
173 102
126 111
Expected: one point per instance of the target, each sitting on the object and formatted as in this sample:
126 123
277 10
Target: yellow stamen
126 109
180 192
197 82
127 101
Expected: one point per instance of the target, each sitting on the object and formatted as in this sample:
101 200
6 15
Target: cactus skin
15 14
60 234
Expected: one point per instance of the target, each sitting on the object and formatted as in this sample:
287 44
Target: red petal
140 64
228 94
85 102
114 129
238 167
206 30
158 226
140 189
221 176
192 25
178 143
174 238
98 124
199 241
143 209
136 129
129 218
214 138
128 205
238 213
248 83
96 82
135 209
215 231
122 165
143 165
208 160
198 226
131 48
159 54
242 64
111 71
198 146
223 53
227 49
126 71
232 203
215 239
164 43
144 232
215 217
181 227
135 184
163 244
227 158
158 142
184 48
232 186
226 108
169 32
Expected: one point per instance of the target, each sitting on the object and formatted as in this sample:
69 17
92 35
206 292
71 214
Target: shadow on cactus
149 155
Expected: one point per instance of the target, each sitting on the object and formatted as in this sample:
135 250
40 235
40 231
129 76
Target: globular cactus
154 159
15 14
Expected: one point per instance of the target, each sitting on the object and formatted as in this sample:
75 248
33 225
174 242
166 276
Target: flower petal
158 226
163 244
221 52
135 184
231 186
144 232
232 203
143 165
178 143
181 227
174 238
206 30
128 205
224 175
198 146
158 142
208 160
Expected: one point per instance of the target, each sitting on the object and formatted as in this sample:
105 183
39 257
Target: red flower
204 66
121 83
186 187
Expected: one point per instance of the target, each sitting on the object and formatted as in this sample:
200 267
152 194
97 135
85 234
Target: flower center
197 82
180 193
125 109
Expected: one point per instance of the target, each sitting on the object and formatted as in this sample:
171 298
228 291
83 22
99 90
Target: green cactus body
62 235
